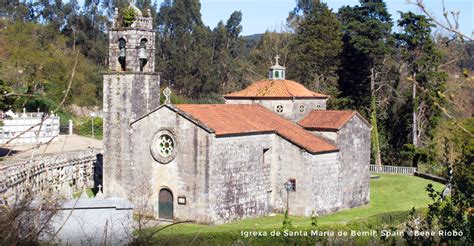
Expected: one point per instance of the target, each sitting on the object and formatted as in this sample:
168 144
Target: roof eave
325 129
308 149
273 98
244 133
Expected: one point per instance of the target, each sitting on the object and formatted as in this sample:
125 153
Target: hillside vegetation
408 81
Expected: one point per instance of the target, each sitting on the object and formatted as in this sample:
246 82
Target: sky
261 15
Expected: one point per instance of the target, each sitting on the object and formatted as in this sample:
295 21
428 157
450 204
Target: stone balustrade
393 169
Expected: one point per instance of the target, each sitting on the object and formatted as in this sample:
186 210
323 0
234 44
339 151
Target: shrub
84 127
287 221
129 16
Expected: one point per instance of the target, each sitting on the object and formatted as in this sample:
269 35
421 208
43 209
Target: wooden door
165 204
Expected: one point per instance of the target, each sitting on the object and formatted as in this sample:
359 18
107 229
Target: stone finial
116 17
167 94
277 58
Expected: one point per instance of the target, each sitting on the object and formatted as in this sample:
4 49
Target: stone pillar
70 127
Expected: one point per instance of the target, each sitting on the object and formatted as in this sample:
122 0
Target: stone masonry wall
291 108
126 97
65 172
354 144
239 177
185 176
316 180
132 36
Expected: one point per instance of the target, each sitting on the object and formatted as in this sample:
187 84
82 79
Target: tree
367 42
16 10
227 49
182 39
270 45
37 63
420 53
199 63
316 47
451 209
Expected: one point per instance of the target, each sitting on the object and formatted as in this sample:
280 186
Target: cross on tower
277 57
167 94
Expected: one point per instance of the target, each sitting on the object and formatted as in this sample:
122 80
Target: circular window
279 108
302 108
164 146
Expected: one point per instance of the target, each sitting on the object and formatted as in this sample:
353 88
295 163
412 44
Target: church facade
215 163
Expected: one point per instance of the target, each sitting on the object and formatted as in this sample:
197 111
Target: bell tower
131 89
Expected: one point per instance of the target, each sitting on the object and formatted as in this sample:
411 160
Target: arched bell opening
142 54
122 53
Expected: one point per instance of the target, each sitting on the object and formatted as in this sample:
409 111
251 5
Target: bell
122 52
142 53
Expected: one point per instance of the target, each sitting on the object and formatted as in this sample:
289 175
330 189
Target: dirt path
61 144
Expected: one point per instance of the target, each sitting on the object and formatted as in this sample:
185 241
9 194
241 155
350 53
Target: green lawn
389 193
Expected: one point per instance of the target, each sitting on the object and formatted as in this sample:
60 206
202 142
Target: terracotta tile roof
331 120
232 119
275 89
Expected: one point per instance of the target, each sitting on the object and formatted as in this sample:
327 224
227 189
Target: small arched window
277 74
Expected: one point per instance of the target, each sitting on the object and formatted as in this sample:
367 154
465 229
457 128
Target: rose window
166 145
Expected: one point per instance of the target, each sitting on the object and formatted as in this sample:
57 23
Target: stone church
215 163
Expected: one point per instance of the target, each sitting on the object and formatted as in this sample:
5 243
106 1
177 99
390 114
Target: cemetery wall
64 172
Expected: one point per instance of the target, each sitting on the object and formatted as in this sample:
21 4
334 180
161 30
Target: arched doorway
165 204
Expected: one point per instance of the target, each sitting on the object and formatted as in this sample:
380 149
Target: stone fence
393 169
64 172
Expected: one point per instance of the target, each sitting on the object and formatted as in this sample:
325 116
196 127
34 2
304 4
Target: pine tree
316 48
367 41
423 58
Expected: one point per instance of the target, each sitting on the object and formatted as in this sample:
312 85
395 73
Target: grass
89 193
389 193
